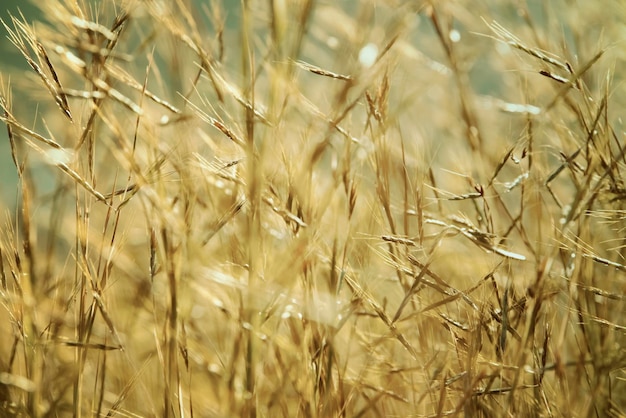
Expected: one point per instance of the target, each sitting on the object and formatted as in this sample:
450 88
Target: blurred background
13 68
485 79
10 63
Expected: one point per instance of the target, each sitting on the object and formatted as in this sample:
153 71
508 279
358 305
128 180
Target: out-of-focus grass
368 208
10 64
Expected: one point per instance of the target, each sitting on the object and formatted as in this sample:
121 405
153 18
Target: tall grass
316 209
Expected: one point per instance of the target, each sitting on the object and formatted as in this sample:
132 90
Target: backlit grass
309 208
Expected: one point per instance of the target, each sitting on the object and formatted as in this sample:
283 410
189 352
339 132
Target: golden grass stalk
315 209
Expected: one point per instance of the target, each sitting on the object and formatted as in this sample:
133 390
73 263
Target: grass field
300 208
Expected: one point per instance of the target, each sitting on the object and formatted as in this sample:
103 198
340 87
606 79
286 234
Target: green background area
11 63
12 67
483 77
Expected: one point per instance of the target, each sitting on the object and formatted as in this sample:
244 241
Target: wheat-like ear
22 36
320 209
320 71
503 35
29 135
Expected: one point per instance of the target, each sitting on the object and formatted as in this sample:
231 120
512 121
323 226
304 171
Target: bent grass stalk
224 212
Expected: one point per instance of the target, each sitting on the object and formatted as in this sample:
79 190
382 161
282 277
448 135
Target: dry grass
250 216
